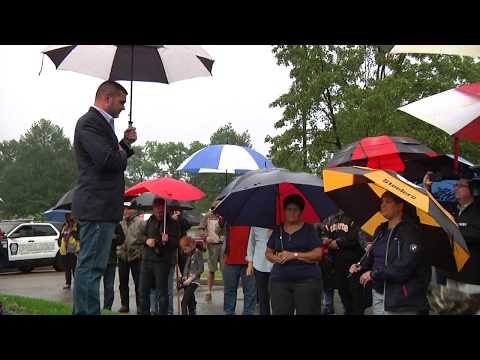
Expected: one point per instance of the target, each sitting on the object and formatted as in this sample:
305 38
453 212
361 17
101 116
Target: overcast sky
246 79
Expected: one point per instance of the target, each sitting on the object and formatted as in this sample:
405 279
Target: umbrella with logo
153 63
358 191
455 111
256 199
385 152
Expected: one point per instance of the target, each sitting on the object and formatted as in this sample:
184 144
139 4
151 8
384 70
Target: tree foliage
341 94
36 170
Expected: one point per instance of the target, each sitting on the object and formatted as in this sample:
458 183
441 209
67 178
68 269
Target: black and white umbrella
154 63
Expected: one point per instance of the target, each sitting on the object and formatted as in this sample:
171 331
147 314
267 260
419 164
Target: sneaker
67 287
124 309
208 298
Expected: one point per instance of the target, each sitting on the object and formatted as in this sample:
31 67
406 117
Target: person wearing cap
467 217
130 255
158 253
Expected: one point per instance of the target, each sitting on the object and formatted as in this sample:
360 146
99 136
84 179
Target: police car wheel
25 269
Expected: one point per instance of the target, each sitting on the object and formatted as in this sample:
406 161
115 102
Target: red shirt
237 245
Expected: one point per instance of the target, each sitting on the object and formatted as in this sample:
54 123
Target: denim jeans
96 240
231 277
109 286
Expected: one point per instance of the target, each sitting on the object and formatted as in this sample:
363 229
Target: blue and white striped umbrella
230 159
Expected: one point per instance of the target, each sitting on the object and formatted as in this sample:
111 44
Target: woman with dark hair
295 250
395 263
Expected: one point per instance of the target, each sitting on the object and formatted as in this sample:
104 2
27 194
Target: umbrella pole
177 269
130 122
226 177
456 150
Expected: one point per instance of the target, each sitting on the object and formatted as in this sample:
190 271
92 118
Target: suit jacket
98 196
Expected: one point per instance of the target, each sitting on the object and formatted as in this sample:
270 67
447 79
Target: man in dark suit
98 200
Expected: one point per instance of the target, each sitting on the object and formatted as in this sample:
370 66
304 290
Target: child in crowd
191 274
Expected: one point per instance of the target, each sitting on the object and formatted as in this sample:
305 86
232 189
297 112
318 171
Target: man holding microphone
98 199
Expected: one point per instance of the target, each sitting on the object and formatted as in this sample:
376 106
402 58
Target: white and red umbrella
455 111
462 50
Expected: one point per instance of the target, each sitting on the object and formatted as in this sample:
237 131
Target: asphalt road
46 283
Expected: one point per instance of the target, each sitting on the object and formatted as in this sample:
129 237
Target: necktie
112 124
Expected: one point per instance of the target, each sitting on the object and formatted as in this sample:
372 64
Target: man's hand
130 136
250 268
365 278
151 242
427 182
326 241
164 238
188 281
333 245
354 268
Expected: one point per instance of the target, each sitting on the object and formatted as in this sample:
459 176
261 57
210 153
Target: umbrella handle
177 269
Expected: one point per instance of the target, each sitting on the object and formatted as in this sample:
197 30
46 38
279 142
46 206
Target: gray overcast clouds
246 79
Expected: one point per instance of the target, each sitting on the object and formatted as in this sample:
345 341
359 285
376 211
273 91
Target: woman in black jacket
395 264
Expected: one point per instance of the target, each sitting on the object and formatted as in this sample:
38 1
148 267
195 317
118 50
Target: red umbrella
168 189
383 152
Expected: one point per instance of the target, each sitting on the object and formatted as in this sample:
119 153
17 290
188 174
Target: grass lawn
29 306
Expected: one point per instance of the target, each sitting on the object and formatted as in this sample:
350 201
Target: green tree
340 94
42 170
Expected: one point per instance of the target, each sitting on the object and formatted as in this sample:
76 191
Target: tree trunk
304 142
333 120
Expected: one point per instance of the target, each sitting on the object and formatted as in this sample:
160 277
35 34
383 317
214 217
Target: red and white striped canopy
455 111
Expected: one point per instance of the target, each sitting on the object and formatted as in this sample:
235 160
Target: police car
27 244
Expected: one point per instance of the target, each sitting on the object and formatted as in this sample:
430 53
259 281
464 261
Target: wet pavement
46 283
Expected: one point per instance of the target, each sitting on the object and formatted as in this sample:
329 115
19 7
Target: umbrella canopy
358 192
168 189
383 152
65 202
441 165
232 159
153 63
257 197
55 215
455 111
145 201
463 50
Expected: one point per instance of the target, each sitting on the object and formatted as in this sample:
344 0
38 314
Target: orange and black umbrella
358 190
385 152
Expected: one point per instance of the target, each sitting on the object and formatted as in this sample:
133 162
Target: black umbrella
65 202
256 198
154 63
145 201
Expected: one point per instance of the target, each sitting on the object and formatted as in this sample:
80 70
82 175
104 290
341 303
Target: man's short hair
109 88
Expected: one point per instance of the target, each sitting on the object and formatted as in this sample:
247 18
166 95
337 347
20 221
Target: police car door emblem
413 248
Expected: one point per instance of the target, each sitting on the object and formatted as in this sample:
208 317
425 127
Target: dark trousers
109 286
263 292
124 269
189 303
154 275
299 297
70 261
351 293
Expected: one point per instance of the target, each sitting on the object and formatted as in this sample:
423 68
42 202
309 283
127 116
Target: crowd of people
290 269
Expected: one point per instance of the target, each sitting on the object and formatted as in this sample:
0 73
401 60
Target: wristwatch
296 255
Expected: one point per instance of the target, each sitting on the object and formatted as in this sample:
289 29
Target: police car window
43 230
24 231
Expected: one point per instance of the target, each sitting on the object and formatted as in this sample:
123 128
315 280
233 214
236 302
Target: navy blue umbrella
256 198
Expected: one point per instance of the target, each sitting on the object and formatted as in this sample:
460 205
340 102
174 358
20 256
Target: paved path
46 283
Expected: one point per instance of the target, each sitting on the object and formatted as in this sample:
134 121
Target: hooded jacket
406 273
